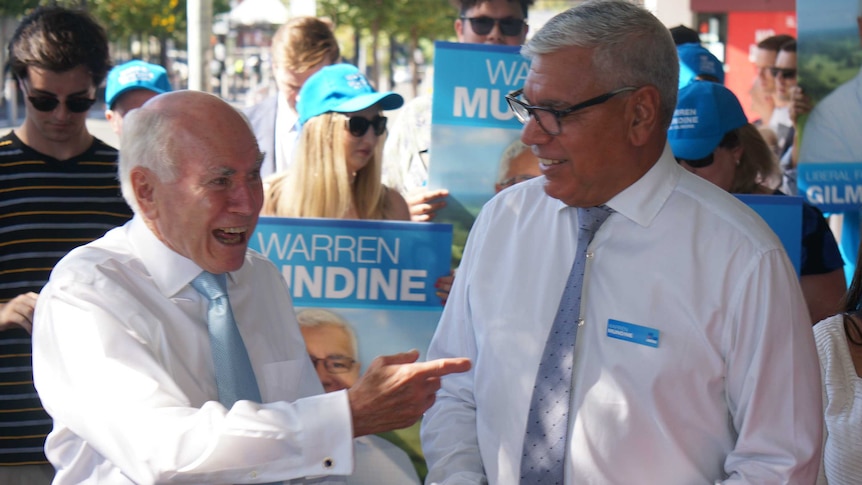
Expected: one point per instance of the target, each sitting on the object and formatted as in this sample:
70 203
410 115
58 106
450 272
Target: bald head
190 167
170 122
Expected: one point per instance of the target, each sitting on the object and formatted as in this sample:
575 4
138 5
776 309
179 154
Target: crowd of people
614 295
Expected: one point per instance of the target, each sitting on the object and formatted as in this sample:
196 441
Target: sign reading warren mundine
351 263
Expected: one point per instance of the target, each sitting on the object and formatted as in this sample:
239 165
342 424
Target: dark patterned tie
547 423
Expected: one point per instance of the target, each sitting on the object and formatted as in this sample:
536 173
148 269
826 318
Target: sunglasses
730 140
785 73
509 26
358 126
50 103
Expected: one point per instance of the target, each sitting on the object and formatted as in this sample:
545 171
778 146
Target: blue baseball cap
135 75
340 88
705 112
695 60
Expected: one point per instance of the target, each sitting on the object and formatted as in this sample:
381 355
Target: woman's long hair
318 185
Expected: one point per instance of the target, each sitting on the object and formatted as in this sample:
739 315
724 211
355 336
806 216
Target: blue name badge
633 333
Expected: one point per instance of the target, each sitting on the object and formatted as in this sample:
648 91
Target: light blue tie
234 376
548 424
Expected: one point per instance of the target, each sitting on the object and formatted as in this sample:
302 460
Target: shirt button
328 463
581 322
590 255
252 475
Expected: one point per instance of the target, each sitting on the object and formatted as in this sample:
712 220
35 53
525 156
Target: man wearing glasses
405 161
627 321
334 351
58 190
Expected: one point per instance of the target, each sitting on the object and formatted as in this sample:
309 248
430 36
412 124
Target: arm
449 430
396 206
18 312
773 378
123 400
119 393
823 293
395 391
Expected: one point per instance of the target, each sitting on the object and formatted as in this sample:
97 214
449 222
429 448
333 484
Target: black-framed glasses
509 26
50 103
785 73
730 140
358 126
549 118
334 364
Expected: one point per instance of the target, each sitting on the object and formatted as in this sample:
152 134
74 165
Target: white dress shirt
122 362
379 462
731 393
842 405
831 133
286 134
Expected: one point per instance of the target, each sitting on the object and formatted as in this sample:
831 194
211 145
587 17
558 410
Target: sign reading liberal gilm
351 263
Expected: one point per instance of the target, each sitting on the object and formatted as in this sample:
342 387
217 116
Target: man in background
517 164
406 153
334 350
300 48
58 190
763 87
129 86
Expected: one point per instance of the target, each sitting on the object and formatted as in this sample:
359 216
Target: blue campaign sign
471 82
833 187
783 214
357 264
471 127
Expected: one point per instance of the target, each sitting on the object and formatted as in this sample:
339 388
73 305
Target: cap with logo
340 88
696 61
705 112
135 75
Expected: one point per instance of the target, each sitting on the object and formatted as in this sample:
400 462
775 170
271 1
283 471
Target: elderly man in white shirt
694 360
122 352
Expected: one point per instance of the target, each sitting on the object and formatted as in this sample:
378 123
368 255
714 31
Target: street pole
200 21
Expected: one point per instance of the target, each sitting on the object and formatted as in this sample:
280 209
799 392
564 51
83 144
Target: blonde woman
337 169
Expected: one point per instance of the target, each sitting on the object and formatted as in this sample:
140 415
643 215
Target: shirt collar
642 200
285 115
170 271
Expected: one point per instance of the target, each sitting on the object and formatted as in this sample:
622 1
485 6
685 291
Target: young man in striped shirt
58 190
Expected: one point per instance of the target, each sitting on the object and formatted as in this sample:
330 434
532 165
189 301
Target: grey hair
513 150
318 317
151 139
147 141
631 47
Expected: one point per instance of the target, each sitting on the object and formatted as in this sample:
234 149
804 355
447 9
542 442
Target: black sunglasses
50 103
509 26
358 126
730 140
785 73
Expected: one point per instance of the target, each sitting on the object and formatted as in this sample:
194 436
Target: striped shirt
47 208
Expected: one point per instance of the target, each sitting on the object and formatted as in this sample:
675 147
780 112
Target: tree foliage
406 21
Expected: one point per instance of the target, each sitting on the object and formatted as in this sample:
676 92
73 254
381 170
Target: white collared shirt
731 393
831 133
122 362
286 134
